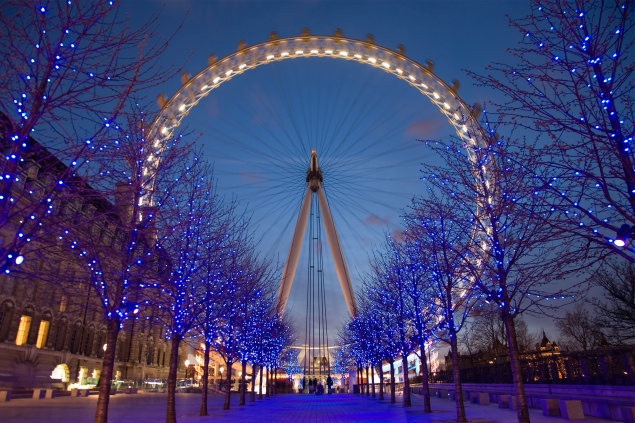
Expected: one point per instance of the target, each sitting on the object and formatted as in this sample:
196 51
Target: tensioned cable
324 342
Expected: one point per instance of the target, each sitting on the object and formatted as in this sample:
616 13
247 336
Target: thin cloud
424 127
374 220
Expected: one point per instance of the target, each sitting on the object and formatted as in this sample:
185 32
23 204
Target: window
76 334
23 330
101 341
60 334
63 303
42 334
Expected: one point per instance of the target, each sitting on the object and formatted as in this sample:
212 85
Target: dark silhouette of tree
615 309
484 337
571 82
578 331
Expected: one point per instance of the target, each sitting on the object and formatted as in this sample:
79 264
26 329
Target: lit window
63 303
42 333
23 330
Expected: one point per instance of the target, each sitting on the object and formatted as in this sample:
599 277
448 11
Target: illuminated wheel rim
420 77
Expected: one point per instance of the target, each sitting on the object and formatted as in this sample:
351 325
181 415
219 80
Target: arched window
88 342
60 334
122 347
76 335
43 330
101 341
24 329
6 315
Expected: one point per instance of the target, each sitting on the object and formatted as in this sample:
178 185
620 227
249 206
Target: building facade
52 330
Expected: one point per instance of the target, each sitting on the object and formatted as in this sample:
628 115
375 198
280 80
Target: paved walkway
337 408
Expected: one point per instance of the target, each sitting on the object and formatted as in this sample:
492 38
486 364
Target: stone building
52 330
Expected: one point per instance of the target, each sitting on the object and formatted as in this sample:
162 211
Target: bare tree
527 340
71 69
615 312
577 330
571 81
485 334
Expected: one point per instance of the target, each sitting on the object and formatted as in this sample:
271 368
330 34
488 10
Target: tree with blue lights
258 319
443 245
419 295
280 339
247 282
70 71
289 362
391 271
116 243
191 217
379 329
515 261
228 243
375 346
571 82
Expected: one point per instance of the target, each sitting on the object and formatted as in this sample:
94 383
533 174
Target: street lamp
187 364
622 235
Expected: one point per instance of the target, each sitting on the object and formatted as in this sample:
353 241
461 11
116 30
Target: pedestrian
320 388
329 384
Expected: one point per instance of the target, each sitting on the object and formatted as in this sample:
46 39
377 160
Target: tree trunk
427 408
372 376
407 402
203 411
243 387
517 376
367 382
228 385
260 384
254 370
268 384
392 382
380 370
108 365
274 385
458 389
170 415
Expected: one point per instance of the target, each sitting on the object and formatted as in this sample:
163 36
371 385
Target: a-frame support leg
294 252
338 255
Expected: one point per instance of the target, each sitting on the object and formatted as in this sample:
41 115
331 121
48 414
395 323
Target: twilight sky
259 128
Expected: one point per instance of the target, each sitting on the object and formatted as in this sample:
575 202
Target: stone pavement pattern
337 408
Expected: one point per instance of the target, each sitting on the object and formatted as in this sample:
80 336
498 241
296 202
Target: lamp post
187 364
623 233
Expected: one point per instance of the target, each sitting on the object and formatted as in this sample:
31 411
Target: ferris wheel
262 130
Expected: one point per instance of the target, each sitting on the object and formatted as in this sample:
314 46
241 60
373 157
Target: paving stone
336 408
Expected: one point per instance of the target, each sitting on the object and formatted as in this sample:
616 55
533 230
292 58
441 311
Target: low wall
597 400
